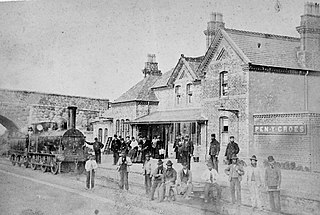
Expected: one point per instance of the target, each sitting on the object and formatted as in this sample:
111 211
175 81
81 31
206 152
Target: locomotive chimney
72 111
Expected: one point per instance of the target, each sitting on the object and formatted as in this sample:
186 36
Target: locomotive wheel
54 168
13 159
33 166
25 161
43 168
18 160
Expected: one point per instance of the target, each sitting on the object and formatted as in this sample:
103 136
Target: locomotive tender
50 148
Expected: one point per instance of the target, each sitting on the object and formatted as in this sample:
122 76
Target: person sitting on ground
210 176
185 181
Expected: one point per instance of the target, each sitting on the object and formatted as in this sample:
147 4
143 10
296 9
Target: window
224 130
127 127
178 94
224 83
118 127
105 135
122 128
189 93
100 135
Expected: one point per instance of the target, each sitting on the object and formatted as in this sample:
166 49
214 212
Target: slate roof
141 91
163 80
267 49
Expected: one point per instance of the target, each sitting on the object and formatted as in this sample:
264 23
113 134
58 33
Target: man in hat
90 166
232 149
158 181
170 177
273 182
235 172
185 181
97 146
187 150
123 166
115 148
210 176
254 183
214 151
147 174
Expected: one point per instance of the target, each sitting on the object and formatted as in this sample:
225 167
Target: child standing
90 166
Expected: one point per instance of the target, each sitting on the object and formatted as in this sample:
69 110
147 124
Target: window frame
224 83
189 92
178 94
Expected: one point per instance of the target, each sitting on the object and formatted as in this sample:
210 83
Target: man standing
235 172
170 177
185 181
123 166
147 174
176 147
254 183
232 149
158 181
273 182
210 176
146 148
115 148
97 146
90 166
187 150
214 151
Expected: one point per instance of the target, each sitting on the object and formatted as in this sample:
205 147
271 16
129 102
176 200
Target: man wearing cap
170 177
147 174
187 150
210 176
158 181
185 181
214 151
232 149
115 148
254 183
273 182
97 146
235 172
123 166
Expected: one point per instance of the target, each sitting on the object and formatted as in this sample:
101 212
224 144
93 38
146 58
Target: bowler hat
231 137
169 163
213 135
270 159
254 158
210 164
160 162
148 155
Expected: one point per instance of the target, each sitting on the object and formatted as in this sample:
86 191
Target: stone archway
8 124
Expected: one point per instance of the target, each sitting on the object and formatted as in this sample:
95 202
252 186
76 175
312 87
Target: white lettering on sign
279 129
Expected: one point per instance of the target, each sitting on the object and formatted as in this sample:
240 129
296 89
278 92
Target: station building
264 89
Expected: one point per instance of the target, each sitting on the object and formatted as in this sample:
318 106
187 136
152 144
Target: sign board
107 146
279 129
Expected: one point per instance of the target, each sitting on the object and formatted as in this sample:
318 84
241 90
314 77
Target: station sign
279 129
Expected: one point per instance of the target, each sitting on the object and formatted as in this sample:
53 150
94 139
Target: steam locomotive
50 148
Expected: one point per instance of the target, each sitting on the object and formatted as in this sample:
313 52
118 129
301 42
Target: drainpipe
306 91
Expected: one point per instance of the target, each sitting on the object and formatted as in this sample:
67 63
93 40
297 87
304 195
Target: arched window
178 94
100 135
224 83
189 93
127 127
122 128
118 127
105 135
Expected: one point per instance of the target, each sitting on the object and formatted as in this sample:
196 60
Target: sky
97 48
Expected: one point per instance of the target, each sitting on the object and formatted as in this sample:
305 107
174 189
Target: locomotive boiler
50 148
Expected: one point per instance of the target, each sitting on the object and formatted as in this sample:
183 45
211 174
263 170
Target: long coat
232 149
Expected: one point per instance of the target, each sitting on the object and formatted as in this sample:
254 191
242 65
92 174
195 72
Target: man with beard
158 181
232 149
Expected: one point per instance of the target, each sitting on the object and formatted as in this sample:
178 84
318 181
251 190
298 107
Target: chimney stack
309 30
72 111
151 66
214 25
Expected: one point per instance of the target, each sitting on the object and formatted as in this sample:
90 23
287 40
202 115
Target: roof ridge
266 35
195 59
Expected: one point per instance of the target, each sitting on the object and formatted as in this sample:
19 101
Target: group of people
169 182
137 149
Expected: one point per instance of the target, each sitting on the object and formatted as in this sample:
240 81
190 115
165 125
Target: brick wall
302 149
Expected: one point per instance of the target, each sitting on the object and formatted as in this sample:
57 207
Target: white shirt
134 143
91 165
210 176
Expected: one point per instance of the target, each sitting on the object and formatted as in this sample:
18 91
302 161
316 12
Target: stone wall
291 148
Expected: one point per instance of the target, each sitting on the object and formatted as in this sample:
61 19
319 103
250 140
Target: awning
163 117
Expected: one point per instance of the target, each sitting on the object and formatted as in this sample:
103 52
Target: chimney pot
213 17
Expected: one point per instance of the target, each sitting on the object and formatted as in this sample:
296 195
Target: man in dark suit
115 148
187 150
97 146
232 149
